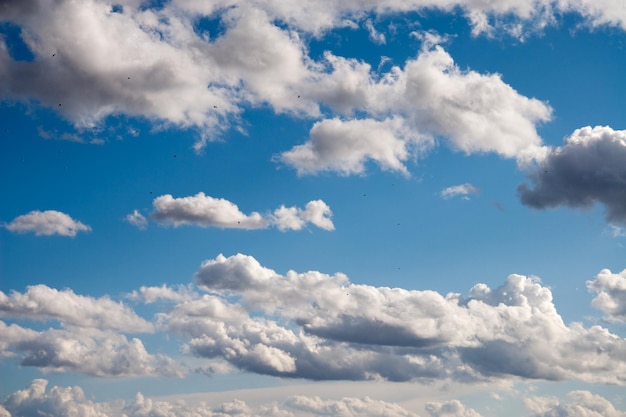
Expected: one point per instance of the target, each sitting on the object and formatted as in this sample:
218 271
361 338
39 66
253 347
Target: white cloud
430 97
512 330
611 294
47 223
589 168
38 399
205 211
41 302
452 408
459 190
150 62
580 404
137 219
293 218
375 36
345 146
85 351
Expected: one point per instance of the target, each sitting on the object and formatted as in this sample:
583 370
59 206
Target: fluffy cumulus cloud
84 351
37 399
430 97
205 211
589 168
41 302
293 218
90 340
611 294
350 331
155 63
579 404
462 190
345 145
47 223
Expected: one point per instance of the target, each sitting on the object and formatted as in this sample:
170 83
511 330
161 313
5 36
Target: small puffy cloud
84 351
41 302
205 211
345 146
611 294
293 218
579 404
137 219
589 168
47 223
453 408
463 190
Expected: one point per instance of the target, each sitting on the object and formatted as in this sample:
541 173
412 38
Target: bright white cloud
345 146
205 211
510 330
589 168
293 218
84 351
463 190
611 294
430 97
47 223
41 302
137 219
152 63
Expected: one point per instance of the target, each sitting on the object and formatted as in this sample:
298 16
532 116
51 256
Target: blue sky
340 208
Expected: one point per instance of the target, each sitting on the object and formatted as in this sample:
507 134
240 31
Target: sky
315 208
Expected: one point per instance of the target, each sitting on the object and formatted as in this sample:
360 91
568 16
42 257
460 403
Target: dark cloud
590 168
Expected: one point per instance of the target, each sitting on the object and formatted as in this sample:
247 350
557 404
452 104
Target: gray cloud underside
589 168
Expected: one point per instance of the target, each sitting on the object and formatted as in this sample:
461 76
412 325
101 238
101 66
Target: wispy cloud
137 219
463 190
